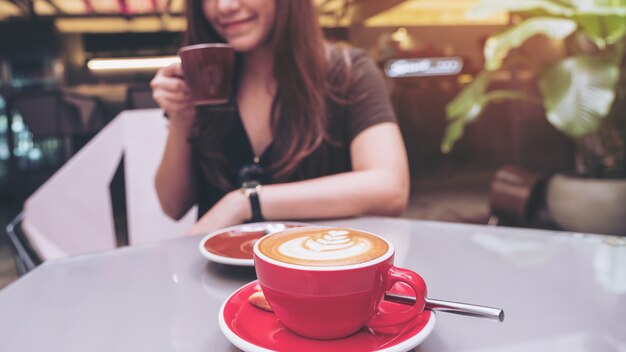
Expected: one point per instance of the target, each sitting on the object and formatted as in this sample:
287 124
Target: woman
311 122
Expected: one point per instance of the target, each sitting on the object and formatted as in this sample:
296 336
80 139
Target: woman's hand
232 209
172 94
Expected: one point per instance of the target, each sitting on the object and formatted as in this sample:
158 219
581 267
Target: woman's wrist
181 124
240 206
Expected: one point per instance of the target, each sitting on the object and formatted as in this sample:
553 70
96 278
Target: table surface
560 292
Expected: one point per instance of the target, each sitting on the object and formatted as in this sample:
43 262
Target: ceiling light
144 63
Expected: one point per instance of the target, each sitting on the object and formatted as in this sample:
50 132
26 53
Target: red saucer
233 245
255 330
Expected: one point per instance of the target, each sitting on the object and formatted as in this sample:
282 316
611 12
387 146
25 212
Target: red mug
333 301
208 69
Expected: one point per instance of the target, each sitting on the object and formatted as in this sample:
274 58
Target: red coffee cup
208 70
332 301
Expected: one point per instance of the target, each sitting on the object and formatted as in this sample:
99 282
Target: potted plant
583 94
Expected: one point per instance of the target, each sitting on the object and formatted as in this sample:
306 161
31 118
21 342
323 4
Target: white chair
72 213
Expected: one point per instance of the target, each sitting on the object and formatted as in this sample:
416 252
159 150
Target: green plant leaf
464 105
578 93
603 20
474 102
497 47
454 132
603 29
486 8
599 7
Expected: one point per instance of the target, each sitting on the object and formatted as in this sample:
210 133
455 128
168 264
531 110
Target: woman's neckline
257 159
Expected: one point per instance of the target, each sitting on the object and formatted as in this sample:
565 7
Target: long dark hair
300 70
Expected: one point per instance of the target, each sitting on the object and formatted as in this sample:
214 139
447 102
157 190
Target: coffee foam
323 246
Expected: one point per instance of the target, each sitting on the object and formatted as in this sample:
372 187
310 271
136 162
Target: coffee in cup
327 283
334 247
208 70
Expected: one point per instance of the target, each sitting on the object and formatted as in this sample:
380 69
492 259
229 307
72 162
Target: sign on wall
418 67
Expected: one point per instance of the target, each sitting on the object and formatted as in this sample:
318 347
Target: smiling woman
243 27
312 118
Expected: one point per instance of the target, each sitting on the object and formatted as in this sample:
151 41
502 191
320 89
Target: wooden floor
453 195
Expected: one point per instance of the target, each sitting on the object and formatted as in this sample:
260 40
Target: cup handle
395 275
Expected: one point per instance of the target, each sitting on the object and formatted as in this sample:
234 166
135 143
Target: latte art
323 246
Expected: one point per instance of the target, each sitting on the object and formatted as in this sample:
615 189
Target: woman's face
245 24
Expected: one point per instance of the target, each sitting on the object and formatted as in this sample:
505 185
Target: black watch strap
251 190
255 205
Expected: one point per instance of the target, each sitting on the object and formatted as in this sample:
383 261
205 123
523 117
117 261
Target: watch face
251 187
250 184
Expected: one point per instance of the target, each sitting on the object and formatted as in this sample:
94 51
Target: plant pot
588 204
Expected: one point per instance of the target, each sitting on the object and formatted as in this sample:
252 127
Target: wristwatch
252 189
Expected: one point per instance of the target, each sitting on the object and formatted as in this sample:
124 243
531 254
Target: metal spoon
451 307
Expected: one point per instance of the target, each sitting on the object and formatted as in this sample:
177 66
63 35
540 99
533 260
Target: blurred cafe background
68 67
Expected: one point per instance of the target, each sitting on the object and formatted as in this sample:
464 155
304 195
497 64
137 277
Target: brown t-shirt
366 103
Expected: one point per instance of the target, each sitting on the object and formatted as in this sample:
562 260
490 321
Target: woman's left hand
232 209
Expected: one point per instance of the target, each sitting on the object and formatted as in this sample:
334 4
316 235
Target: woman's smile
244 24
236 26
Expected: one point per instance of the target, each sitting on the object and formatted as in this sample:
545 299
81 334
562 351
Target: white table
560 291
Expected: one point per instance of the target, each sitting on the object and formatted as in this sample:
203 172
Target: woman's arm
378 185
174 181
